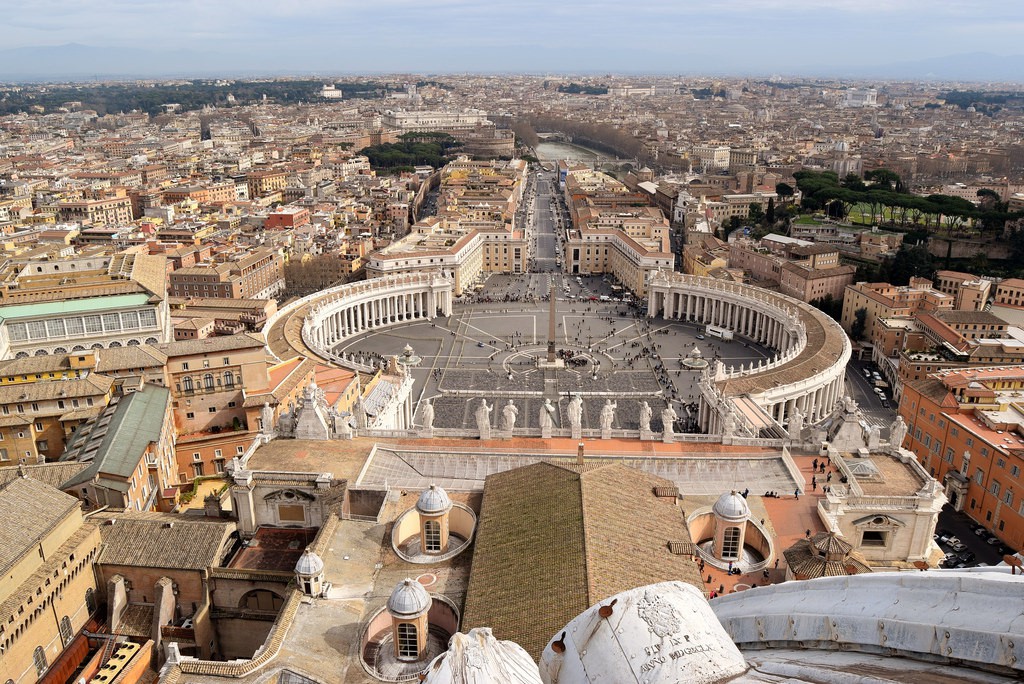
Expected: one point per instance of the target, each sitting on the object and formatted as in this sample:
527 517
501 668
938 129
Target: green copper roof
70 306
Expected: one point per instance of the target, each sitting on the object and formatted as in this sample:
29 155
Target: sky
556 36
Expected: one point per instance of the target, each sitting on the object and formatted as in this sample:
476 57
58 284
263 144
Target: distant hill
74 61
83 62
973 66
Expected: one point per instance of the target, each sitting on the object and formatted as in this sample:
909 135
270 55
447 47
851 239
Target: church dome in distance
434 501
731 506
409 599
309 564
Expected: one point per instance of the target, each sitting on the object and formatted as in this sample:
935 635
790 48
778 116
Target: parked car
981 531
966 557
993 541
885 403
950 541
700 337
958 547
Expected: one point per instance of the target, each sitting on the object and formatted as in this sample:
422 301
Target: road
542 225
862 391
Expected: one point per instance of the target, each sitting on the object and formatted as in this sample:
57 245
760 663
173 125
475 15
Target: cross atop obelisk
551 326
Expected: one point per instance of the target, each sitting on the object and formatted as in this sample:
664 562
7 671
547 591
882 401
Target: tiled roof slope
554 539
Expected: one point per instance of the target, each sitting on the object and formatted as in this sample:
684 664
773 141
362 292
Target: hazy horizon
790 37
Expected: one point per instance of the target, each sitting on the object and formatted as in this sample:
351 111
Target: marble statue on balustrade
427 418
796 424
508 416
267 420
668 420
874 437
575 411
729 423
546 418
359 410
645 418
897 432
483 419
607 418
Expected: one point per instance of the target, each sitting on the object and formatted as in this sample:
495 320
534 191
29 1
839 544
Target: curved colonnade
807 374
331 315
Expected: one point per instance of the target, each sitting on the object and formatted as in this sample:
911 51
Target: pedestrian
808 533
765 573
776 563
814 464
762 522
829 478
797 494
730 567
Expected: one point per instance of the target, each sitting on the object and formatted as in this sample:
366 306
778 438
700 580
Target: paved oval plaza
489 349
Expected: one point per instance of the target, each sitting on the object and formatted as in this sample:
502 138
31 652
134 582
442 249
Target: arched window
39 659
90 600
229 380
186 383
65 630
731 543
208 381
432 536
261 599
407 643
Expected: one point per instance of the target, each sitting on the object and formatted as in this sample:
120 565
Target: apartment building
38 417
1008 301
613 231
129 453
263 183
256 275
970 292
112 210
967 428
208 380
882 300
49 592
71 305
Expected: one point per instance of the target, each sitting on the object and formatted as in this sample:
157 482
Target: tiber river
557 151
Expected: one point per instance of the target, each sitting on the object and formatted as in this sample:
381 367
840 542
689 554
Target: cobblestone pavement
491 350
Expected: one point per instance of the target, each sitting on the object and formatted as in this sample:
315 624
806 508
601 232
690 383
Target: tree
911 262
860 319
769 215
784 191
831 307
756 214
734 223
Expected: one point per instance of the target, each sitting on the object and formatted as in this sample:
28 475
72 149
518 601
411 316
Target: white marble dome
309 564
434 501
659 634
479 657
409 599
731 506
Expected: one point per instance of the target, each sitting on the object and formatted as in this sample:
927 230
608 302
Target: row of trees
125 97
883 197
413 149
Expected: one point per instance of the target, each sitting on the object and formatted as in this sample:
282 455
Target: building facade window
432 536
65 630
731 543
408 646
39 660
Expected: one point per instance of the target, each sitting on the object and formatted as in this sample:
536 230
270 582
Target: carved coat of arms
660 616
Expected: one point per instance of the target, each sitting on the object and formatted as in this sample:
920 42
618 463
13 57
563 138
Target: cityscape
451 372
